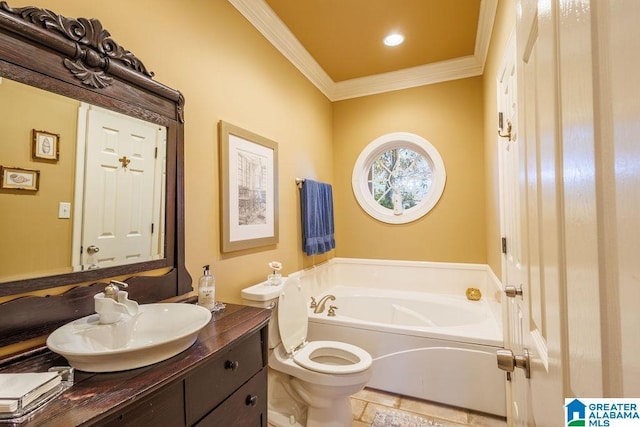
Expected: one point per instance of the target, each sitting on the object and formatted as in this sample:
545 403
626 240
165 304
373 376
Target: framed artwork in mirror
249 181
45 146
19 179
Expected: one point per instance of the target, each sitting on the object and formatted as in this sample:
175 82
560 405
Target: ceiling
337 44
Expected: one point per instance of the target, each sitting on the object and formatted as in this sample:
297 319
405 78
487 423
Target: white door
601 154
534 259
618 133
512 275
120 224
579 124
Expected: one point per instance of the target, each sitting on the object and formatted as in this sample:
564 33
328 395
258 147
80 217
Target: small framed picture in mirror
19 179
46 146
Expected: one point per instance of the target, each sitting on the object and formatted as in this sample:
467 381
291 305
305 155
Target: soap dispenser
207 289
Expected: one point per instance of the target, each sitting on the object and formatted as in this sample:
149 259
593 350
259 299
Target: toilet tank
264 295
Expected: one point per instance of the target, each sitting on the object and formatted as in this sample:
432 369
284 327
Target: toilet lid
292 315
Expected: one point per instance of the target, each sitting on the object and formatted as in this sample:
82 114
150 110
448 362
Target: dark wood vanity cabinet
228 387
164 408
246 407
220 381
225 376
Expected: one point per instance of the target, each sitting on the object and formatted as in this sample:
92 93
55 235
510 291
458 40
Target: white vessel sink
157 332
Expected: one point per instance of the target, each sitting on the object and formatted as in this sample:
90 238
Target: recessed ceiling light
394 39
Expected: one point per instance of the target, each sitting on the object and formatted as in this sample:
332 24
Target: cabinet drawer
207 386
246 407
163 409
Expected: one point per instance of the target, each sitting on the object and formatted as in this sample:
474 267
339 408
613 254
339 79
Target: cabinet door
246 407
164 408
207 386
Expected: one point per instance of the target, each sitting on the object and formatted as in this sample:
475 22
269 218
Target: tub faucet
320 305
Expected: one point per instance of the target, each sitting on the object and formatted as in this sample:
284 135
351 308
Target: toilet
309 382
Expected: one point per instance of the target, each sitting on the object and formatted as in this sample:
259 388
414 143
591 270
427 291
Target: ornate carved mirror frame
78 58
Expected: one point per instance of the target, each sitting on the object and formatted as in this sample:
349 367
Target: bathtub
434 345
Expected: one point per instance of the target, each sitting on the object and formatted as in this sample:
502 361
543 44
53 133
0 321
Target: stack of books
21 392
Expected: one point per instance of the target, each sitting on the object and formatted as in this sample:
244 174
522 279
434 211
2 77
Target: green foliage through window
399 171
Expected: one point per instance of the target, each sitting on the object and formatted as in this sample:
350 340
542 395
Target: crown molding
438 72
262 17
485 28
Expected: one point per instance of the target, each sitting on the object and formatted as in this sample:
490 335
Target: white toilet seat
332 357
325 357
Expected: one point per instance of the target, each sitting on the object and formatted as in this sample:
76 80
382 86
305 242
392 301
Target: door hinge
504 245
155 156
152 227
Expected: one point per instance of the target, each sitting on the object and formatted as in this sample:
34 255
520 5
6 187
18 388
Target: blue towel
316 200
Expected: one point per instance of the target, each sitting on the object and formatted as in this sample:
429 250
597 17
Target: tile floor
365 404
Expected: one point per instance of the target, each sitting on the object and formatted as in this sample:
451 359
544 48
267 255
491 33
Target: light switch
64 210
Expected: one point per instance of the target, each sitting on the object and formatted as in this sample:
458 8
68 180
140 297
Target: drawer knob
231 365
251 400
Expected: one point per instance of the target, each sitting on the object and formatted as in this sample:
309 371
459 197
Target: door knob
507 361
93 250
512 291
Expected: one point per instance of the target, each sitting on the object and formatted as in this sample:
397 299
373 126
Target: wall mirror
101 194
68 92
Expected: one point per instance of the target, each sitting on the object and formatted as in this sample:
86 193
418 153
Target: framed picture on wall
249 189
45 145
19 179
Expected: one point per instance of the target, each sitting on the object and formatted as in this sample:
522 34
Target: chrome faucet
319 308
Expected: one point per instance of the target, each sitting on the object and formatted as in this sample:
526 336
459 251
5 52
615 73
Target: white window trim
387 142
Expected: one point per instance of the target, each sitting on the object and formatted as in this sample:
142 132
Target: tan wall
33 237
226 71
504 24
448 115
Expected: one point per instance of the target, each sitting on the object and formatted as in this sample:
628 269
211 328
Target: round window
398 177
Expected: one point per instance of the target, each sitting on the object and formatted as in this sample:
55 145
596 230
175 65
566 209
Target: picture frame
19 179
45 145
249 189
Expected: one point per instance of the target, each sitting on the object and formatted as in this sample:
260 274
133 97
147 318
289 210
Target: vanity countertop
96 397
